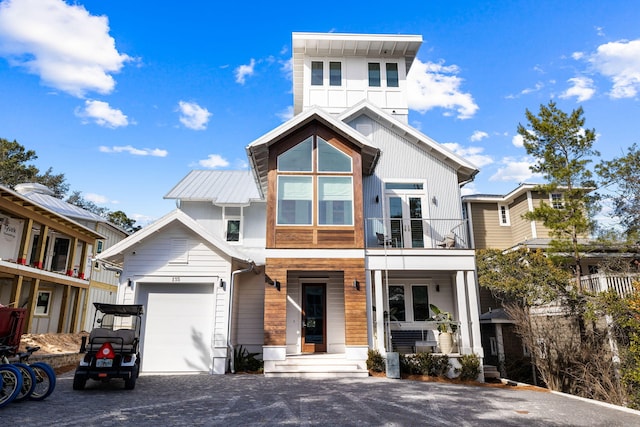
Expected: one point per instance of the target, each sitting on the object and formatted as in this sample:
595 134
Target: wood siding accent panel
282 270
294 238
285 236
328 238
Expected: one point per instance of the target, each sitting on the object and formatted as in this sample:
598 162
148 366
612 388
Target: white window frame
232 217
47 308
504 220
558 202
409 316
326 72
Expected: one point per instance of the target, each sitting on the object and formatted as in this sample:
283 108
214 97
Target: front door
314 330
406 221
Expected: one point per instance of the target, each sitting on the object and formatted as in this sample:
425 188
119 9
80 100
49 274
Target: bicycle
10 383
39 376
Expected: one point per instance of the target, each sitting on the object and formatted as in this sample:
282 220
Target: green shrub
243 361
375 361
424 364
470 368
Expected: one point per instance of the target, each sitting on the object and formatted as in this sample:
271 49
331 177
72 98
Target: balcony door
406 214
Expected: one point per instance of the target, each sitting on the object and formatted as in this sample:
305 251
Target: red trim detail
22 261
39 265
69 272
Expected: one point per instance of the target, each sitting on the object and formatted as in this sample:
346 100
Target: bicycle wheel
45 381
11 384
28 381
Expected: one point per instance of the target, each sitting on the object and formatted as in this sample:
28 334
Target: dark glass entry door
314 324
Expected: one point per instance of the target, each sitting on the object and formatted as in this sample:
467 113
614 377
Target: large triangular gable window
315 173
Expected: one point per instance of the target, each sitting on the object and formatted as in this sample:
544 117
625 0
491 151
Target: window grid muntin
314 174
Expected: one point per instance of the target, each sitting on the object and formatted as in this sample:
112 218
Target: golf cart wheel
79 382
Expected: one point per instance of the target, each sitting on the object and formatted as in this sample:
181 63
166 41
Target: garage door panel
178 328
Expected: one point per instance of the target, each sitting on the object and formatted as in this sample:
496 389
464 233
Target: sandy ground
53 343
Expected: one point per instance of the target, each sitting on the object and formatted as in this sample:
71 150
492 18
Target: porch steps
318 366
490 371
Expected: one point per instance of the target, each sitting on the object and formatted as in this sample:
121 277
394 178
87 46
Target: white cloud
156 152
469 189
518 141
245 70
286 114
214 161
577 55
97 198
193 116
434 85
102 114
472 154
64 45
478 135
619 61
582 89
516 170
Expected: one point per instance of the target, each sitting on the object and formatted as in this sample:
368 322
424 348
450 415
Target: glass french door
314 330
406 220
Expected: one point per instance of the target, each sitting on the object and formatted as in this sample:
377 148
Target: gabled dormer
310 171
337 71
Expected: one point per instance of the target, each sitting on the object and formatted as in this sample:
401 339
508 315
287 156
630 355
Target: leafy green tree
76 199
523 277
562 149
622 176
14 168
121 219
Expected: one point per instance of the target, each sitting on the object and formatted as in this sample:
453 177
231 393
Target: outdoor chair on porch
384 241
449 241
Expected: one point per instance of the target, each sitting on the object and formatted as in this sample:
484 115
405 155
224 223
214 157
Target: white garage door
177 327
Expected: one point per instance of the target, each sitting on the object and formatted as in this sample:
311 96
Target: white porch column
474 312
379 313
369 295
463 316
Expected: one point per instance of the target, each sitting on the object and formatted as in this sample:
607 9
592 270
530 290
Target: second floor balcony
416 233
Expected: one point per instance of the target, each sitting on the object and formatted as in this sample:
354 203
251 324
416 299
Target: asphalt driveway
253 400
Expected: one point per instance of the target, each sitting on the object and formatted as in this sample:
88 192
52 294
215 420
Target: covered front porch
403 285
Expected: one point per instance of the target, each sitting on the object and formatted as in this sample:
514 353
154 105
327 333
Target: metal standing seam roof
219 187
63 208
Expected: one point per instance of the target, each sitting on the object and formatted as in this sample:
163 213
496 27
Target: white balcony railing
622 284
416 233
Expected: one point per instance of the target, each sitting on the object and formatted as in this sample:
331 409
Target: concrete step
490 371
317 366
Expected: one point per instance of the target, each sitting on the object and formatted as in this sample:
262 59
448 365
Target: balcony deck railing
417 233
622 284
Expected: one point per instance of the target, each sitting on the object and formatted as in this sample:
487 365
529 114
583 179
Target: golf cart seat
120 337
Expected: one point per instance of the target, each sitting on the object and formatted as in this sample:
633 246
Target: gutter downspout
230 316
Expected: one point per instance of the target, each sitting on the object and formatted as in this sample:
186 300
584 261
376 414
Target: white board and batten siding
248 312
177 276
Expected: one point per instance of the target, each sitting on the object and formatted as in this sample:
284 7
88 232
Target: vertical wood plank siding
282 270
314 236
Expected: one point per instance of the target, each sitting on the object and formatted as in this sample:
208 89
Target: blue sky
126 97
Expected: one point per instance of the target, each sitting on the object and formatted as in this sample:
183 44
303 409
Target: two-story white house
347 227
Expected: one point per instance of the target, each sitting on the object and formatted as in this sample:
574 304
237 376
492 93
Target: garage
177 327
